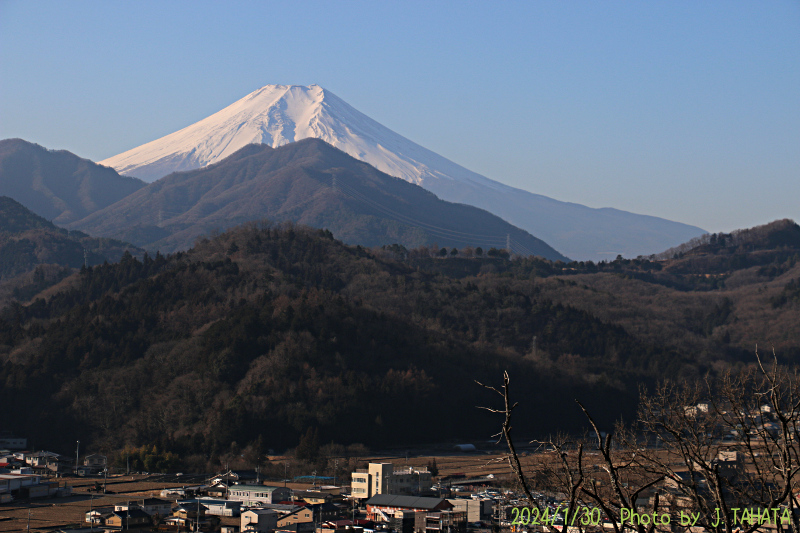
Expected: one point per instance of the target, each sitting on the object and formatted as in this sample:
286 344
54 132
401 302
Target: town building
259 520
382 507
129 519
11 442
382 478
216 507
476 510
95 462
151 506
254 495
98 515
317 513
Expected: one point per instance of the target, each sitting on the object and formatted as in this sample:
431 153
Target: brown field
62 512
469 464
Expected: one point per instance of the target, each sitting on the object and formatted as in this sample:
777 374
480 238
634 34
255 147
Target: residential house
98 515
133 518
95 462
42 458
218 490
317 513
151 506
236 476
259 520
193 509
156 506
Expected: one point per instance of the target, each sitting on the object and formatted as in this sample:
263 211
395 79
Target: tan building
252 495
311 513
300 516
129 519
382 478
259 520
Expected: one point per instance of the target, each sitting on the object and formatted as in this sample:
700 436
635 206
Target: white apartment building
382 478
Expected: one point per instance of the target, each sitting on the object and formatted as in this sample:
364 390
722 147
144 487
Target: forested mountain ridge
259 333
714 299
35 253
308 182
15 217
779 234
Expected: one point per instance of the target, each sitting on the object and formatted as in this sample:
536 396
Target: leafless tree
728 447
605 486
720 455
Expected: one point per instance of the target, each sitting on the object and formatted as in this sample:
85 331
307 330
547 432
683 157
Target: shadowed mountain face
58 185
28 241
307 182
279 114
15 217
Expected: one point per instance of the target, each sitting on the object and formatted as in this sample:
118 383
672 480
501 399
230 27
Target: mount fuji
280 114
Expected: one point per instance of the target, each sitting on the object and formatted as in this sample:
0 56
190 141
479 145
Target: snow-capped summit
280 114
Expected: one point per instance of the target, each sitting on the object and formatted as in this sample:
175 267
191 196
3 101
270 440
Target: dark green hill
57 184
260 333
28 241
307 182
780 234
15 217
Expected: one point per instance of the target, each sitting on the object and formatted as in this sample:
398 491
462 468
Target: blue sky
685 110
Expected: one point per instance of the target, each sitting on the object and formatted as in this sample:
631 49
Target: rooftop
412 502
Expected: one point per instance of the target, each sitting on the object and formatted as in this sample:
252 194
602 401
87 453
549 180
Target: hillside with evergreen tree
266 332
35 253
262 332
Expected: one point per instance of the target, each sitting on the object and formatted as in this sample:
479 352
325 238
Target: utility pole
508 242
77 454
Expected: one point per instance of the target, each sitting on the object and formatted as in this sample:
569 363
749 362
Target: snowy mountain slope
280 114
